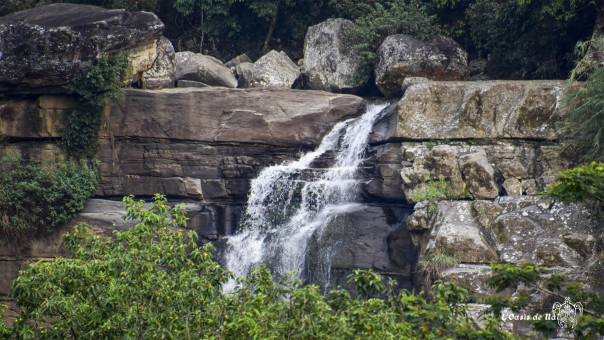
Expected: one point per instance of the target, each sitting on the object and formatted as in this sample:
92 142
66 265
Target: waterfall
290 202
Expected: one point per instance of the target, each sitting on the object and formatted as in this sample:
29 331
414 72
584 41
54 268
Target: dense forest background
521 39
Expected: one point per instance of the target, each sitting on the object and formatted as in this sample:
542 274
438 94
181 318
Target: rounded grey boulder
401 56
328 63
202 68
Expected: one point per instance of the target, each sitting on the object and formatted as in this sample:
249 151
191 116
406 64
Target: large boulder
328 63
273 70
242 58
401 56
530 229
163 72
42 49
202 68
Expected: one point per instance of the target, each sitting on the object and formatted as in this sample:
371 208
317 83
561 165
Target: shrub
433 264
579 184
98 86
584 120
154 281
589 325
382 19
40 197
439 190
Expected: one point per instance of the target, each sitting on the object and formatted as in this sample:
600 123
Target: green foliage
539 50
585 119
40 197
432 265
381 19
506 275
98 86
367 282
579 184
590 325
267 8
149 282
439 190
154 281
208 17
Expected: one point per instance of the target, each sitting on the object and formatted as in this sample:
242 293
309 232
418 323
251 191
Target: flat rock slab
481 109
280 117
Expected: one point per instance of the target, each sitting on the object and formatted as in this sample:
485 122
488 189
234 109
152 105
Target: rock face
163 72
190 143
198 146
273 70
368 238
511 229
453 232
268 116
482 109
43 48
480 175
401 56
201 68
328 64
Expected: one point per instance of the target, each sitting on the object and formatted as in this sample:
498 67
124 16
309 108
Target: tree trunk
599 25
202 34
269 35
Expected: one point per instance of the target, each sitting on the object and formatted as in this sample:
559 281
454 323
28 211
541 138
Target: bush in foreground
153 281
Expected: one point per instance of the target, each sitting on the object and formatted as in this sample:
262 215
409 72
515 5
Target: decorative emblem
566 313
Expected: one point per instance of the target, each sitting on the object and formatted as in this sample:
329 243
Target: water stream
291 202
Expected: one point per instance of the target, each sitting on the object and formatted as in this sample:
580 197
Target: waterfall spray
291 202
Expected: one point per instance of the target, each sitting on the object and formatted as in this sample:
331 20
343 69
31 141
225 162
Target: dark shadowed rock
401 56
42 49
243 58
361 237
204 69
328 63
190 83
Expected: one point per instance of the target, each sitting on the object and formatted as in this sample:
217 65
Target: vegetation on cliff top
523 39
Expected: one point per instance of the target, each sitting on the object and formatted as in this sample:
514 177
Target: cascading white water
290 202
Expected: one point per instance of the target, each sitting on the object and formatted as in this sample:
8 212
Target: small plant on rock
439 190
